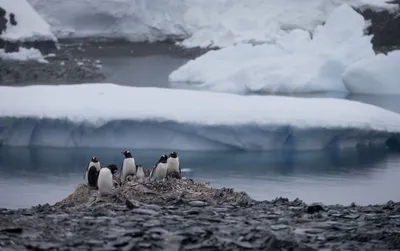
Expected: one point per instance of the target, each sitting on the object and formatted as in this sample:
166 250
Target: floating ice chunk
108 115
379 74
294 64
23 55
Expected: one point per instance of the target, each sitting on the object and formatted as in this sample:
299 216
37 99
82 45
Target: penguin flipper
152 171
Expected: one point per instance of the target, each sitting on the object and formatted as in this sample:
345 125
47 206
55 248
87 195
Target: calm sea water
30 176
39 175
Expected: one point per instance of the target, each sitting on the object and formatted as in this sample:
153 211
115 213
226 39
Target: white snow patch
294 64
103 115
200 22
30 26
379 74
23 54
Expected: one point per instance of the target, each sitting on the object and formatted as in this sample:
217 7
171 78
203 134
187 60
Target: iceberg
296 63
201 23
378 74
109 115
29 27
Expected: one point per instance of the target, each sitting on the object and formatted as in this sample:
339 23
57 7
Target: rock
14 230
131 205
314 208
385 28
197 203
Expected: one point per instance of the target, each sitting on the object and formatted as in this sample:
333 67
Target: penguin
94 162
139 172
159 171
173 163
92 176
128 166
105 181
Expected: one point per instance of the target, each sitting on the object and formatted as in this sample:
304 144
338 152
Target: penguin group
104 178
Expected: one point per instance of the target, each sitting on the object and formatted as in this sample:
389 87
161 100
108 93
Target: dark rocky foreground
185 215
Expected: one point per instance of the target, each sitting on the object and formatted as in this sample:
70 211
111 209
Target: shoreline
189 215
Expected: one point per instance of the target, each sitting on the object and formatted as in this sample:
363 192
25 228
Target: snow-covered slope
107 115
30 26
200 22
296 63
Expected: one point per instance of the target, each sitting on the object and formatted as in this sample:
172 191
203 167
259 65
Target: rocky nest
188 215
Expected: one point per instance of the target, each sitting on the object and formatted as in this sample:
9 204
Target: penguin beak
123 153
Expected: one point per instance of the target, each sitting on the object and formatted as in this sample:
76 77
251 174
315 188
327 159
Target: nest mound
171 191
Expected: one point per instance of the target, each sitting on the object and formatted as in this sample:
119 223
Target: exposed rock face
385 26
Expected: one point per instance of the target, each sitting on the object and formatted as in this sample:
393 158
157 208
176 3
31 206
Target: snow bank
30 26
294 64
379 74
201 22
107 115
23 55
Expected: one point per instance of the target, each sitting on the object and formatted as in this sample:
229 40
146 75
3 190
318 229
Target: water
44 175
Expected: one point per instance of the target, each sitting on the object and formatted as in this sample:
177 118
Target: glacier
109 115
298 62
201 23
30 25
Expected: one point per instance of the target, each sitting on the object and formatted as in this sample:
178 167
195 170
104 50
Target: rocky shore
188 215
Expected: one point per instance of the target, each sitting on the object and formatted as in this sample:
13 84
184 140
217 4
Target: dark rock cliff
385 26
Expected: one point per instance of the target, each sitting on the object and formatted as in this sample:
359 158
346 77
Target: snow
200 22
109 115
296 63
30 26
379 74
23 54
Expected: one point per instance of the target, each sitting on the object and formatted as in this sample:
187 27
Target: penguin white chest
105 181
173 165
128 167
160 172
140 172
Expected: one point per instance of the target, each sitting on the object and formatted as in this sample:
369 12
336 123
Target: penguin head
127 154
113 168
138 166
95 159
163 158
173 154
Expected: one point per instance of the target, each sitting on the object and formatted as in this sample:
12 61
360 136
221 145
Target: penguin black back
113 168
93 175
163 159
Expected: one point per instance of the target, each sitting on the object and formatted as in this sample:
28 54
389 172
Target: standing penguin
159 171
92 171
173 164
105 181
139 172
128 166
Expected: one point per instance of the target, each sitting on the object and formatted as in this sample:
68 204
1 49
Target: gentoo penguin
173 163
159 171
105 181
128 166
139 171
92 173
